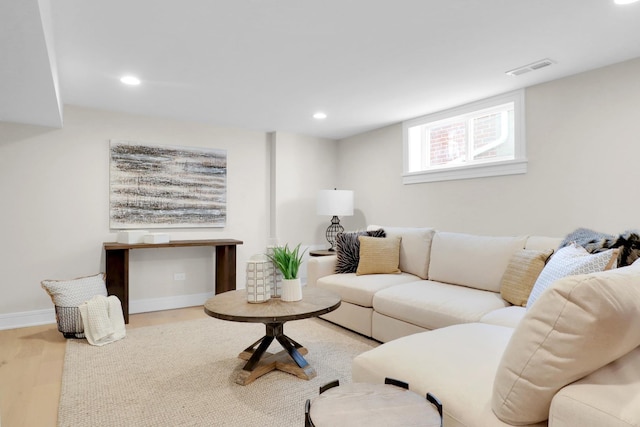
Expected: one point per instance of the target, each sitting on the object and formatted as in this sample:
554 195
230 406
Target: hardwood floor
31 361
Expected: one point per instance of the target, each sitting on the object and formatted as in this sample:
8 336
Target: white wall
582 146
302 166
54 187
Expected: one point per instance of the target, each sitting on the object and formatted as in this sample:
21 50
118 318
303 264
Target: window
485 138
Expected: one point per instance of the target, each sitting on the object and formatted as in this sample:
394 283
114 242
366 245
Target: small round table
371 405
274 313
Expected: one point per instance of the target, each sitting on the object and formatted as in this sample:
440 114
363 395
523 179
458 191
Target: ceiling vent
531 67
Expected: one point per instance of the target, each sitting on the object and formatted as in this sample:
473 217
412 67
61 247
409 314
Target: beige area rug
183 374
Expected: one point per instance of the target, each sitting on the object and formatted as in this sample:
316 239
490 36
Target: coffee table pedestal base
260 361
280 361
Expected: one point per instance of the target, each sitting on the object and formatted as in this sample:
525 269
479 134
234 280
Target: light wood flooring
31 361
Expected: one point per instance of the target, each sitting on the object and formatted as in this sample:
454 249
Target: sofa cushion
568 261
507 316
360 289
434 305
521 274
608 397
415 248
348 249
578 325
475 261
379 256
456 364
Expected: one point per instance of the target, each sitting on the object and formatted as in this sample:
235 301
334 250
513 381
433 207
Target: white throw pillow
72 293
569 261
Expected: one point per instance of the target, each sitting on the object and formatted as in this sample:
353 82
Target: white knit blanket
103 320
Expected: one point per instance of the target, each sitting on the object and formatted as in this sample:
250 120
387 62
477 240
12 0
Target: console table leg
117 280
225 268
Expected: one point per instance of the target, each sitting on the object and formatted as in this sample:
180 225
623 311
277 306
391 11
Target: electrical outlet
179 276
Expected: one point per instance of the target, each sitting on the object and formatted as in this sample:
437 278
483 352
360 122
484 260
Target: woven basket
67 295
69 322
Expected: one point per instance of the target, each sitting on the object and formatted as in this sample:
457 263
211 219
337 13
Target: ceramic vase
275 277
291 290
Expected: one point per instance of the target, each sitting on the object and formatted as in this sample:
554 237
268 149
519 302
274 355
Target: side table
372 405
322 252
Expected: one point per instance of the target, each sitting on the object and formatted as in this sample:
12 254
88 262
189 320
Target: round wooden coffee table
274 313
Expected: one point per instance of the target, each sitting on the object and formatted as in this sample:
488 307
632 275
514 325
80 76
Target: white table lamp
335 203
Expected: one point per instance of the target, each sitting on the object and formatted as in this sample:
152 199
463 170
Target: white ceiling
268 65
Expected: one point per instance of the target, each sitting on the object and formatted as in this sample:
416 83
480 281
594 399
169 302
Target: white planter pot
291 290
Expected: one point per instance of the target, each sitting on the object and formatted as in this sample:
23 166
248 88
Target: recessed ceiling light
319 115
624 1
130 80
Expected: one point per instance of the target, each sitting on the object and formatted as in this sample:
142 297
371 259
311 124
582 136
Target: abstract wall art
153 186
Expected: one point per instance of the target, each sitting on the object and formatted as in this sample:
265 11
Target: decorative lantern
259 279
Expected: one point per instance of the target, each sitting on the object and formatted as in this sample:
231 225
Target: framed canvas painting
153 186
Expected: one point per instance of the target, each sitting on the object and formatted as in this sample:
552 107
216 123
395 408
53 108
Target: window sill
513 167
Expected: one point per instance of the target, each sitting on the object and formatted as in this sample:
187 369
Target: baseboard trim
27 318
168 303
47 316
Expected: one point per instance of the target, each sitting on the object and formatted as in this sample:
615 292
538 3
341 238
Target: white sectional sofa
389 306
571 359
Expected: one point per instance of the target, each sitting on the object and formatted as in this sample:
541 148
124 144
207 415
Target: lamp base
332 231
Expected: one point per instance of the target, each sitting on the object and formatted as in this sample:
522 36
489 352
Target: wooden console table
117 265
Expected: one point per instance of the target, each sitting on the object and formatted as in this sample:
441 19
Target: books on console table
141 236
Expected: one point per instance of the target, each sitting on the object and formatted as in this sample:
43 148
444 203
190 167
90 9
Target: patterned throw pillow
569 261
379 256
72 293
521 274
348 249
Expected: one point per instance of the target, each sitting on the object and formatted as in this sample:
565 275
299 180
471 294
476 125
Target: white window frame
517 165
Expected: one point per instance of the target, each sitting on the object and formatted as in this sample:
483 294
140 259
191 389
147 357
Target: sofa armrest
319 267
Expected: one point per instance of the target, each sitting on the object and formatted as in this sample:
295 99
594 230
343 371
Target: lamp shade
335 202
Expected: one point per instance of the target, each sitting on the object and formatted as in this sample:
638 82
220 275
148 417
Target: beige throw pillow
521 274
578 325
379 255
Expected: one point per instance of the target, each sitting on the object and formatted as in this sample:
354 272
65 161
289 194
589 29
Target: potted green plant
288 261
